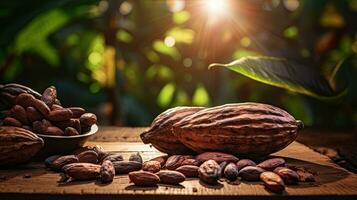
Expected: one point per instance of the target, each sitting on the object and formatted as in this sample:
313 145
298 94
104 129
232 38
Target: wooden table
33 181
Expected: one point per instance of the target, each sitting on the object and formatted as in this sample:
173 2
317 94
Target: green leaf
161 47
282 73
200 96
166 95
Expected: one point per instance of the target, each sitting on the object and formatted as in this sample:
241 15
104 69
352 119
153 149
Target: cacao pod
160 133
248 129
17 145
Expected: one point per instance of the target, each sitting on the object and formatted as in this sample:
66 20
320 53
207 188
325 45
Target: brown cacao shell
160 134
209 172
17 145
248 129
176 161
151 166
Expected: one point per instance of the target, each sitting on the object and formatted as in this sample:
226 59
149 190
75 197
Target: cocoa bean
8 99
88 119
9 121
175 161
272 182
114 157
244 163
304 174
216 156
25 100
41 107
136 157
124 167
74 123
188 170
61 161
271 164
289 176
19 113
191 161
77 111
49 96
49 160
53 130
60 115
151 166
33 114
222 166
56 107
82 171
231 172
100 151
107 171
209 172
250 173
160 159
143 178
41 126
88 156
69 131
170 177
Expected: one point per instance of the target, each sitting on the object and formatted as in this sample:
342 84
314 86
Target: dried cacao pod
143 178
17 145
216 156
170 177
82 171
248 129
209 172
49 96
107 171
160 133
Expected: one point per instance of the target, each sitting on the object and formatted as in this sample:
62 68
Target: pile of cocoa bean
43 114
210 167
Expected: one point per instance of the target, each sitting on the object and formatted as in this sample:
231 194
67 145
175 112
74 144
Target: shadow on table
136 188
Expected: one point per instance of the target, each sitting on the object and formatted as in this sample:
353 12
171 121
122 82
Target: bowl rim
94 128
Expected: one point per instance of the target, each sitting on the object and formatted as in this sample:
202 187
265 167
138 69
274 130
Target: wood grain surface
33 181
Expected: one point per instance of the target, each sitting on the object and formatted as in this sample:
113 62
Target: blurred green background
127 61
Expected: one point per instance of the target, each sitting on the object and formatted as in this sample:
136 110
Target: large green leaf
282 73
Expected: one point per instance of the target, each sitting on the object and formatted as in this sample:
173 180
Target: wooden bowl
63 145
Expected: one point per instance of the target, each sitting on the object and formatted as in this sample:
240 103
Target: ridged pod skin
17 145
244 129
160 133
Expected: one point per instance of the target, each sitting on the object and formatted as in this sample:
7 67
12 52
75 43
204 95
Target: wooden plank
332 181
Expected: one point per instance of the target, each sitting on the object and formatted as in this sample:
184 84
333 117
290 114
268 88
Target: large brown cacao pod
249 129
17 145
160 133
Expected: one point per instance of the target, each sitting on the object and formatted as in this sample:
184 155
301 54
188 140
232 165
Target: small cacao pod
247 129
17 145
160 134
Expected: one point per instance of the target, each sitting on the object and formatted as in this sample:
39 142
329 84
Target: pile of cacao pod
251 130
91 163
42 114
